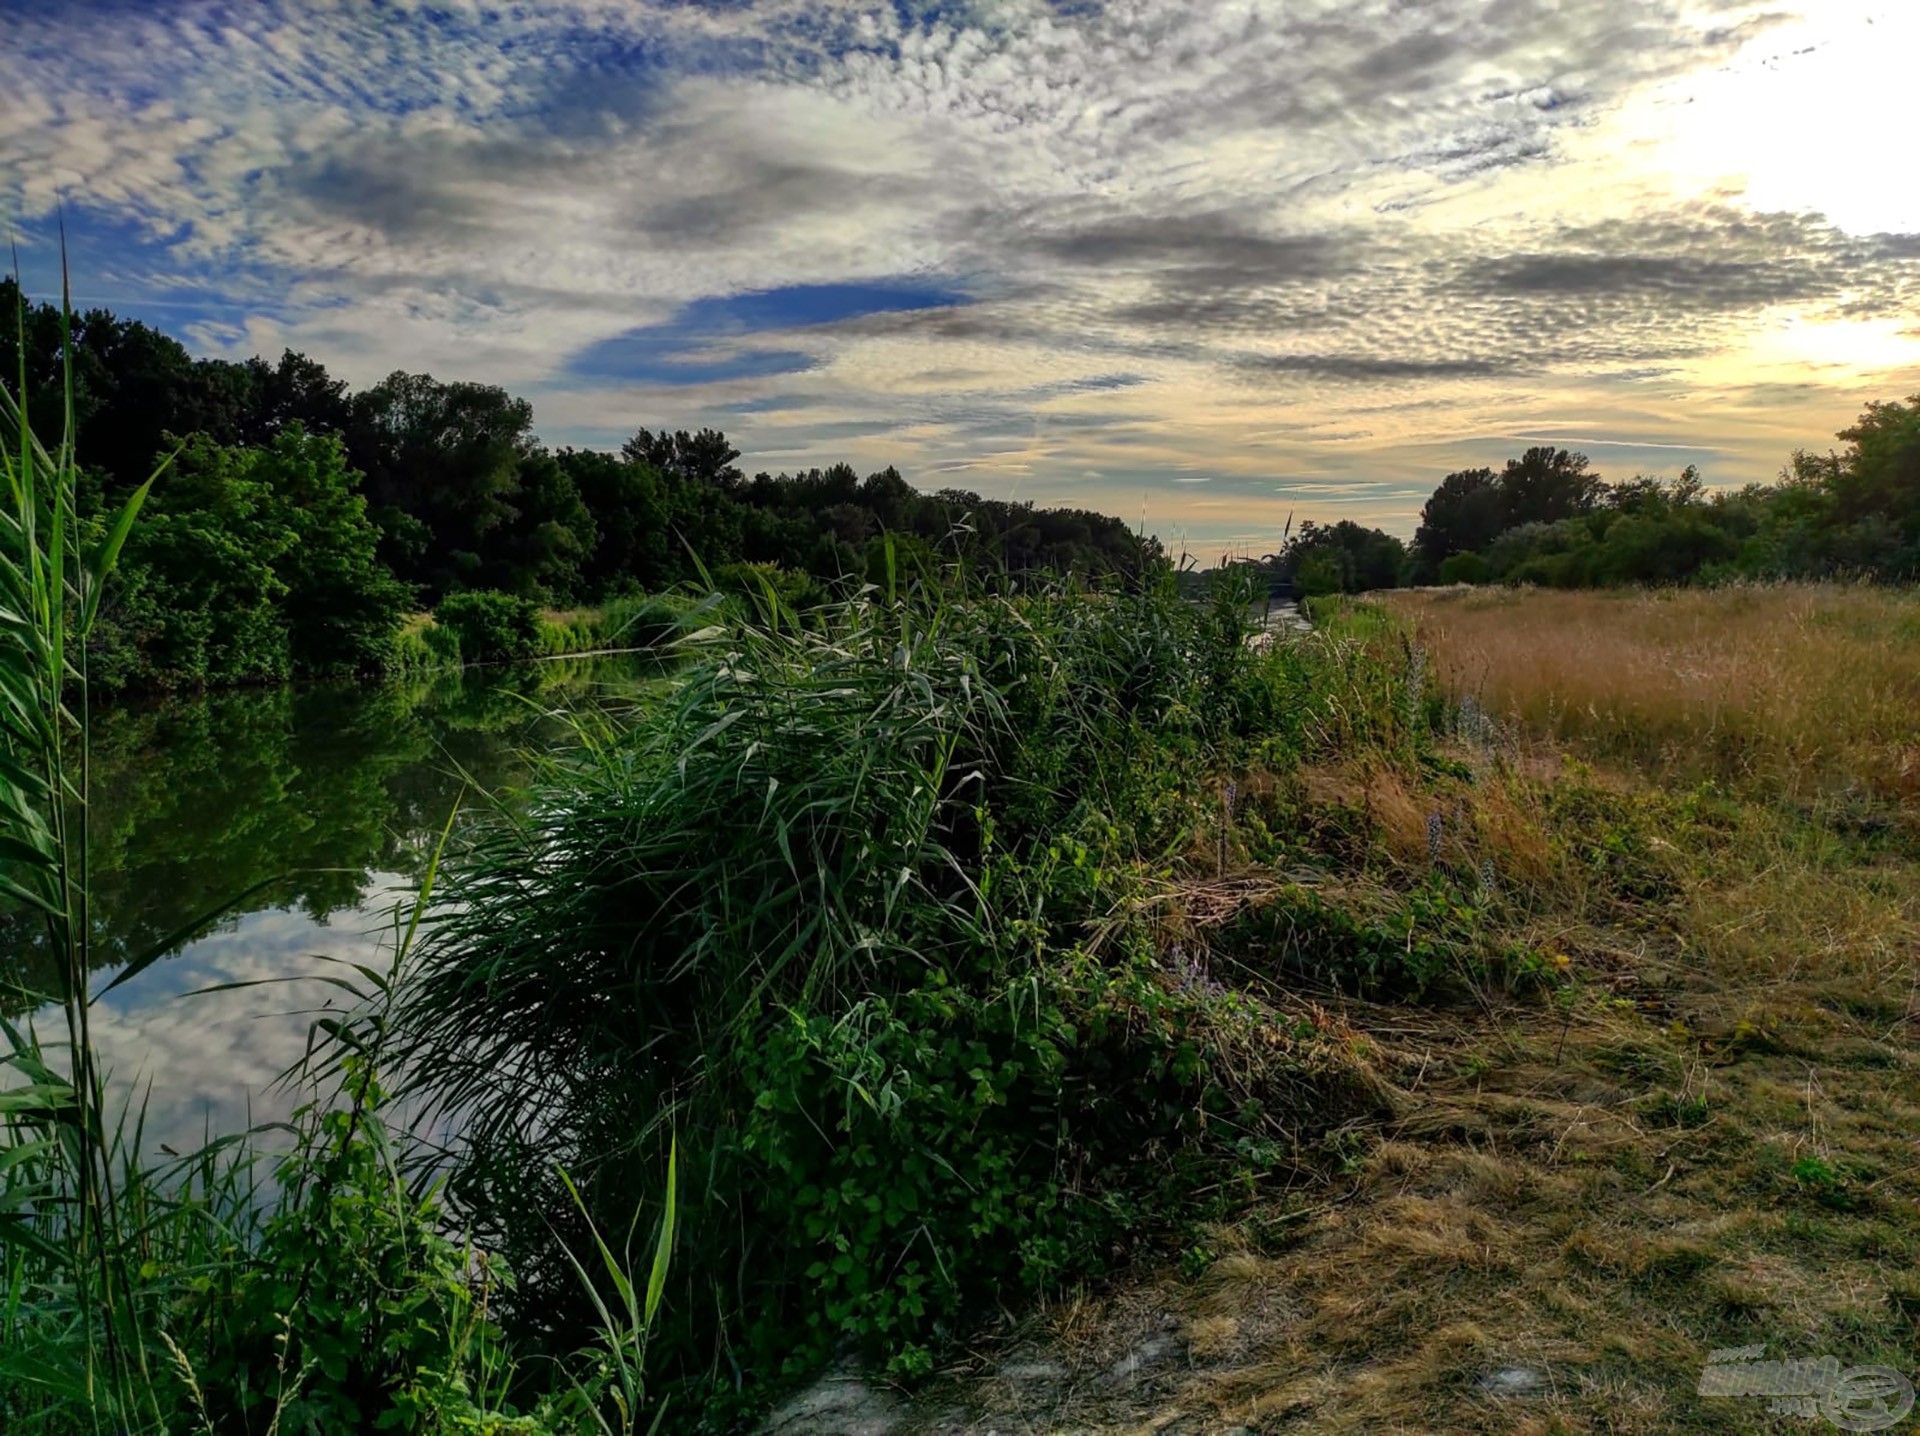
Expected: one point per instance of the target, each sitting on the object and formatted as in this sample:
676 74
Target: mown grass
1697 1135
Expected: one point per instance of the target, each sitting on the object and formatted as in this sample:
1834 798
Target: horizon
1324 259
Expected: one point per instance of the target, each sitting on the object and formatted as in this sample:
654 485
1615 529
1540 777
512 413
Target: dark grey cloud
1687 281
1216 243
1367 367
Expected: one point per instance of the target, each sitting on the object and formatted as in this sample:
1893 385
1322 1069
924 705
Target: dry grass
1810 687
1705 1139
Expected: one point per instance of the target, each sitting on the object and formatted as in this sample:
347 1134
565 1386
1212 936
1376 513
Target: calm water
330 800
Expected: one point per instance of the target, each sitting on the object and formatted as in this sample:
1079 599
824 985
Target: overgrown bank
1699 1138
869 923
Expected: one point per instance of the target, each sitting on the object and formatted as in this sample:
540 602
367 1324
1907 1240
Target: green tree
1545 485
632 541
252 564
341 604
443 469
1879 473
703 458
1465 514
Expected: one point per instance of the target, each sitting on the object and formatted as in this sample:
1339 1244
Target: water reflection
325 802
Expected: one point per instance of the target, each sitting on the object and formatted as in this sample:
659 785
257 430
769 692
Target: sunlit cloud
1205 265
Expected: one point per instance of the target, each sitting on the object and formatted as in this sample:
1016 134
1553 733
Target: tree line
1547 518
299 521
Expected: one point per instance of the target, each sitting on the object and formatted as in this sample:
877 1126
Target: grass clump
862 913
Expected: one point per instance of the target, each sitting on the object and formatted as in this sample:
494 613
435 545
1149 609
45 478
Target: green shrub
424 646
1466 568
645 621
830 913
794 589
492 627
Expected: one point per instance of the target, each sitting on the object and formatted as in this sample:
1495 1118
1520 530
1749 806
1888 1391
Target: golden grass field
1703 805
1811 687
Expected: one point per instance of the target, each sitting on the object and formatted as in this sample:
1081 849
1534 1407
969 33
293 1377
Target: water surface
323 804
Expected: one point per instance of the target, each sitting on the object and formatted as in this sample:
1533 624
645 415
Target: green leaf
663 1248
108 553
184 933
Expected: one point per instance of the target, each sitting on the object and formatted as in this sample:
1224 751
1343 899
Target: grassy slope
1708 1139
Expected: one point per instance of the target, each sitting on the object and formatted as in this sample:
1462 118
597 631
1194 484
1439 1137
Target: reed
53 569
152 1294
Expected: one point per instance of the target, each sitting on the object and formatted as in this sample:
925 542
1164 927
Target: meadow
1698 1136
1410 1024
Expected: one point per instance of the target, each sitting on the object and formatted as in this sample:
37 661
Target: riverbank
1701 1140
1097 1021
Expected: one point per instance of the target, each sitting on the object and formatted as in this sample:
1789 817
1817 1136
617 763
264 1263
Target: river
322 803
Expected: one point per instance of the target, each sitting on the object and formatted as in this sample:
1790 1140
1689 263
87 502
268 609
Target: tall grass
1806 688
51 577
140 1295
858 912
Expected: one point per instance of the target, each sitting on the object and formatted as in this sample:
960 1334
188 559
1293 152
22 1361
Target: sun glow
1807 117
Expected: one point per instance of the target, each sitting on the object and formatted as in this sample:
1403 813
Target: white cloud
1404 225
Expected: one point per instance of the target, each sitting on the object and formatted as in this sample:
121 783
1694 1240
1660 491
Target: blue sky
1205 265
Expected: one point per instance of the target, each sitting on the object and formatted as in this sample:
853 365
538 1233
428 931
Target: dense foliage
1548 520
860 913
303 520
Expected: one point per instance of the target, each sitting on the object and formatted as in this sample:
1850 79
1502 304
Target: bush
423 646
1465 568
829 914
755 581
646 621
492 627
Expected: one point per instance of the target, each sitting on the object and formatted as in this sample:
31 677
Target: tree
341 603
297 390
1879 474
1644 494
443 467
632 541
702 458
1465 514
1545 485
250 564
1344 557
546 542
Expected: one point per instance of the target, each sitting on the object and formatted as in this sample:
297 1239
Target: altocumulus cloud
1078 252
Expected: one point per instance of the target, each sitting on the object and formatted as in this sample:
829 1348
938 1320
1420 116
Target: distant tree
342 604
1643 494
1545 485
633 539
296 390
1465 514
702 458
1465 568
443 468
1342 557
544 545
1879 473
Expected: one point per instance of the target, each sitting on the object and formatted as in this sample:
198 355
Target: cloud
1149 237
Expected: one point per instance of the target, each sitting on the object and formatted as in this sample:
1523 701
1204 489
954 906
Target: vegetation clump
860 913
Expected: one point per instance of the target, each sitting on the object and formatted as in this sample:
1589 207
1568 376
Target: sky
1208 266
